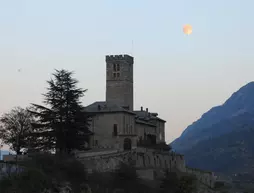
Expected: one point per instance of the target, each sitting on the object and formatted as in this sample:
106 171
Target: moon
187 29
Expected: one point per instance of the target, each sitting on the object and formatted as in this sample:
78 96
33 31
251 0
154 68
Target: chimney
141 108
147 110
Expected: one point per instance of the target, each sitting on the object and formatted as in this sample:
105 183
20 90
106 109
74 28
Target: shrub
45 171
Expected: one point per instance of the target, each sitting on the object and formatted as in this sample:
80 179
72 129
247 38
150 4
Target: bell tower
119 80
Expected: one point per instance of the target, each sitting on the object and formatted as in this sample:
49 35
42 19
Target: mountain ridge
240 102
222 139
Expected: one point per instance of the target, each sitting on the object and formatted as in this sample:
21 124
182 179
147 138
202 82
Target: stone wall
160 131
144 159
106 161
149 163
103 127
159 159
205 177
143 128
119 83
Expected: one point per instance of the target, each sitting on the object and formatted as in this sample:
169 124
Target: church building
116 125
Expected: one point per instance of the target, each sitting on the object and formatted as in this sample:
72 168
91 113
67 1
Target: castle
115 124
120 132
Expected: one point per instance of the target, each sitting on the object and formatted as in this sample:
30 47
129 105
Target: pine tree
62 124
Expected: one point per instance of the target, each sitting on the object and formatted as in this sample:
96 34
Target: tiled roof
144 122
108 107
105 107
147 115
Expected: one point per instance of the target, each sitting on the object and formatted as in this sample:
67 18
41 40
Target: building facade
115 124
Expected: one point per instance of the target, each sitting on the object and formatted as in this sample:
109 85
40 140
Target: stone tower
119 80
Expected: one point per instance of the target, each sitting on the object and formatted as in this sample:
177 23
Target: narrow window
114 68
118 67
118 75
115 130
124 124
114 74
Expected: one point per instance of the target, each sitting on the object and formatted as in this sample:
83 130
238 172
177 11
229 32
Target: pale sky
178 76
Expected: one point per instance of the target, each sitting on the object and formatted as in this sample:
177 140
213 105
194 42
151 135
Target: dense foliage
15 128
178 182
45 171
62 124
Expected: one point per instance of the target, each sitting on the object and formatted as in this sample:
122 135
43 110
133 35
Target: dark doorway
127 144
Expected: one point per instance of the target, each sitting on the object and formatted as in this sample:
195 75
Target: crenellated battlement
125 57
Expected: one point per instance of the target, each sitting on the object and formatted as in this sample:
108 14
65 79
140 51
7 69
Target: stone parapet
206 177
114 58
144 159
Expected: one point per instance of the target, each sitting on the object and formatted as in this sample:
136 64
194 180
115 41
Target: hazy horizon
179 76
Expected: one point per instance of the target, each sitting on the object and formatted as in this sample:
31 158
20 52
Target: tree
62 124
45 173
178 182
170 182
125 178
187 184
15 128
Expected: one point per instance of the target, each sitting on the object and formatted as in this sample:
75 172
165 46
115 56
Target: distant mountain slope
230 153
219 120
222 140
